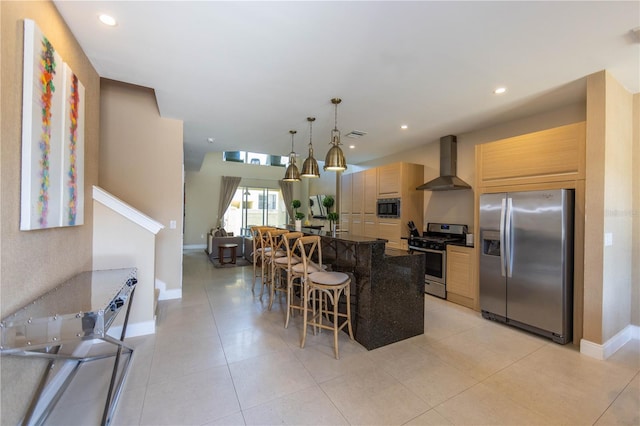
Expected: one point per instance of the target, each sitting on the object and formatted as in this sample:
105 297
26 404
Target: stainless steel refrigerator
526 260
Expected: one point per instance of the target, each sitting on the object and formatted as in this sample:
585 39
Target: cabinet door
389 229
370 225
357 189
545 156
389 181
357 227
345 222
460 276
346 194
370 191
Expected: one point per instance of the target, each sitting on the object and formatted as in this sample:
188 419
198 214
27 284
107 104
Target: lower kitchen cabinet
461 285
389 229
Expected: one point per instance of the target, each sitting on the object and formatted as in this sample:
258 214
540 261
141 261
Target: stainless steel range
433 243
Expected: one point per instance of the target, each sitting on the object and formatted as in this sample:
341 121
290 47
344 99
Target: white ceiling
244 73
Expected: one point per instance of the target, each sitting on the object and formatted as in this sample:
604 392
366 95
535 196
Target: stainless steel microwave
388 207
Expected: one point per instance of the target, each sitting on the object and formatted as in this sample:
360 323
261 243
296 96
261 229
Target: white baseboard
194 246
133 329
174 293
612 345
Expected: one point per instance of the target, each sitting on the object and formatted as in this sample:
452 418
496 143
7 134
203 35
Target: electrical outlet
608 239
172 224
202 236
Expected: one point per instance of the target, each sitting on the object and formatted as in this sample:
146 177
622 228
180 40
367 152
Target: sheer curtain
227 191
287 196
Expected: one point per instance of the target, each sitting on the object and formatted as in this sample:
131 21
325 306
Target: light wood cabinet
370 191
389 181
357 227
461 282
390 230
346 194
363 189
357 188
370 225
551 155
346 222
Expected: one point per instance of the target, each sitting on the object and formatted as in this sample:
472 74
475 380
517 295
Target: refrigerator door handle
502 239
509 249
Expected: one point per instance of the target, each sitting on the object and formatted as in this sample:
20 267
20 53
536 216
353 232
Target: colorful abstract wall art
52 188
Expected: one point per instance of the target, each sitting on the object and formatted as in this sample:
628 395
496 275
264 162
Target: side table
232 248
80 309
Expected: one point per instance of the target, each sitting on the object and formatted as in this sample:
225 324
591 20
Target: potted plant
328 202
333 220
297 215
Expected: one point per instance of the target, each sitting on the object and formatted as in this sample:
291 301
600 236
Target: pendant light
292 174
335 160
310 166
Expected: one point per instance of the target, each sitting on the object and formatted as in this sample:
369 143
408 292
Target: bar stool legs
328 286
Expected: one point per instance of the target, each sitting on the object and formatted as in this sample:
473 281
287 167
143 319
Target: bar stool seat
329 278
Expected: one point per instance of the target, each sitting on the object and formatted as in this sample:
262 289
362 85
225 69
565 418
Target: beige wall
35 261
457 206
608 206
635 259
202 192
110 230
141 163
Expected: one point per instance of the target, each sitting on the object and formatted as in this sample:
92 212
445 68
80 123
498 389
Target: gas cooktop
437 236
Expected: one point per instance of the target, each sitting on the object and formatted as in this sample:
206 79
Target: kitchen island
387 287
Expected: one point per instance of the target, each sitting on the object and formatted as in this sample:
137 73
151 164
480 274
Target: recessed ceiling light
500 90
107 20
404 126
352 146
210 140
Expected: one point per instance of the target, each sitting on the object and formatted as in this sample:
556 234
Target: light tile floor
219 357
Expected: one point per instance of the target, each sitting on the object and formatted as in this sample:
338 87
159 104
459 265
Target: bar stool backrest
310 248
274 239
289 241
259 235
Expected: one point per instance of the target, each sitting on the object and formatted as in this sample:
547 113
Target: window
254 207
255 158
270 199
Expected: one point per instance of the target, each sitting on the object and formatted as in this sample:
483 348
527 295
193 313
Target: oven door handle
432 250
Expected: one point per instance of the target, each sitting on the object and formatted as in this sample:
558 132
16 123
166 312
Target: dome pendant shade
335 160
292 174
310 167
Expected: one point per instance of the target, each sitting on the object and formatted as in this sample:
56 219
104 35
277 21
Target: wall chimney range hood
447 181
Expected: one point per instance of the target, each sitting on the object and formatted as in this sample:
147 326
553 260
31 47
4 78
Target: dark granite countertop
344 236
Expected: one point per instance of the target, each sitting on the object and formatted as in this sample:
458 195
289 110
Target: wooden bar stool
328 287
259 236
284 265
273 250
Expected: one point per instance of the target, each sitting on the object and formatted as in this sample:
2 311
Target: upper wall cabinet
399 180
552 155
389 183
